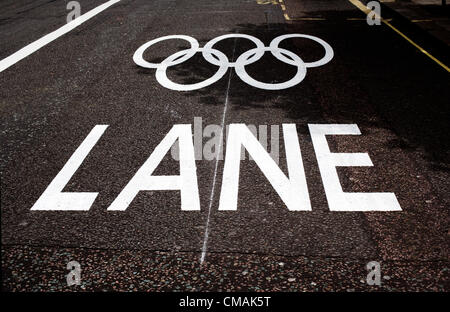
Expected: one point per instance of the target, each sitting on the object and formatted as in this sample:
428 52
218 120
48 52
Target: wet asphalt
52 99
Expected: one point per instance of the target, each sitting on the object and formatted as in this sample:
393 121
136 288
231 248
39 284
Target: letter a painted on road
186 182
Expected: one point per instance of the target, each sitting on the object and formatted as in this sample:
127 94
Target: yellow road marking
286 16
366 10
267 2
276 2
283 7
308 19
363 19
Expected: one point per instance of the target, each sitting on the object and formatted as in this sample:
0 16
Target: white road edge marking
211 198
36 45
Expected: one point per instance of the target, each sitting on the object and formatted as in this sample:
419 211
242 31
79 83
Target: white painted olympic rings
219 59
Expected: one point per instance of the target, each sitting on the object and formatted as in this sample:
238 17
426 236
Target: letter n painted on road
293 190
186 182
338 200
53 197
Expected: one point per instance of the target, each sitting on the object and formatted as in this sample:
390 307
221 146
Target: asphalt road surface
53 98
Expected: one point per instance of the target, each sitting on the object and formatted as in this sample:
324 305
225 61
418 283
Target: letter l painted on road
53 197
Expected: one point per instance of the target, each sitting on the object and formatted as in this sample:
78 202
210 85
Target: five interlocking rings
219 59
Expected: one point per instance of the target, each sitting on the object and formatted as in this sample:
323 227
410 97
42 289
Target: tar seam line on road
248 253
43 41
366 11
219 151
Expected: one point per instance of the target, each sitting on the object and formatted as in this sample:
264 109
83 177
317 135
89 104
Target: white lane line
36 45
219 151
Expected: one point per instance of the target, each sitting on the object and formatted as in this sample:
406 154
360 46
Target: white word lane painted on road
292 189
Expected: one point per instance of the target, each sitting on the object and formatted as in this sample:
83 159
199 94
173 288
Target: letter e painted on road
338 200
